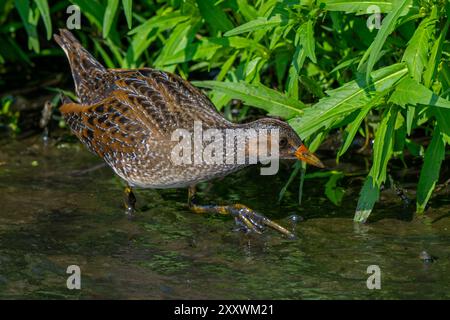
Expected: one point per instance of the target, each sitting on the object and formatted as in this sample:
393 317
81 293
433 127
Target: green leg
248 219
130 202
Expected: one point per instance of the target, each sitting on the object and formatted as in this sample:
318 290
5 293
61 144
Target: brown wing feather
107 127
167 99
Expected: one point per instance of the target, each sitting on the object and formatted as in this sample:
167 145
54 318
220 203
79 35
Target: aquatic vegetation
8 117
324 66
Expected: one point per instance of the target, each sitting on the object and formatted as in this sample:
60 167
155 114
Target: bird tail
87 72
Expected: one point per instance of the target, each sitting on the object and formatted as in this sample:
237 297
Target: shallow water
53 216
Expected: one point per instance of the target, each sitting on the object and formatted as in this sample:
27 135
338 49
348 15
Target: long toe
252 221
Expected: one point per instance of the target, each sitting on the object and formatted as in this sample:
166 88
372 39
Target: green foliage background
315 64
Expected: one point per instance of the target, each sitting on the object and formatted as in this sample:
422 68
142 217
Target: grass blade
383 145
260 23
128 10
368 196
109 16
429 174
45 13
309 42
358 7
27 16
387 28
383 148
91 9
352 128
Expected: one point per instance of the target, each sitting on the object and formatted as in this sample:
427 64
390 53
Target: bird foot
247 219
252 221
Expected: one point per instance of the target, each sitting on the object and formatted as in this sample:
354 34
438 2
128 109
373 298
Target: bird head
290 144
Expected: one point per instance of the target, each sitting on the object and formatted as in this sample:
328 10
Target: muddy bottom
56 211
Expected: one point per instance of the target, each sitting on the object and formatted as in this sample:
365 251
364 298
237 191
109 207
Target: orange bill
303 154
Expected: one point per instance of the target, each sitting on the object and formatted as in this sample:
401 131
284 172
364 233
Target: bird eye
283 142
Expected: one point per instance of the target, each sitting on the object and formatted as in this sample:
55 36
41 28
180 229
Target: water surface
52 216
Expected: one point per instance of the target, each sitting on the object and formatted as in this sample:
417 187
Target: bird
128 117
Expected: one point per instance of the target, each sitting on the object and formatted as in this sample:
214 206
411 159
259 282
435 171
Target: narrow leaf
214 15
309 42
383 145
45 13
110 14
128 10
387 28
352 128
333 191
435 56
259 96
257 24
429 174
409 91
368 196
358 7
416 53
351 96
92 9
27 17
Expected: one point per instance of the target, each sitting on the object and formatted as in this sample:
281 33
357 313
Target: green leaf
204 50
281 63
161 22
109 16
416 53
147 32
382 152
178 41
247 10
435 57
260 23
383 145
368 196
429 174
128 10
309 42
332 190
116 52
387 28
214 15
351 96
359 7
312 86
29 21
352 128
409 91
400 136
259 96
443 120
92 9
207 47
45 13
305 36
103 53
